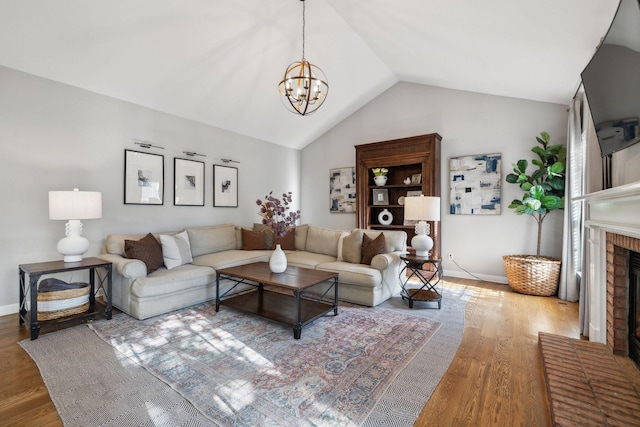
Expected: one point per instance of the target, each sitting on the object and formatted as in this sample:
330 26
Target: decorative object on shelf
380 196
143 178
544 191
407 180
416 178
475 184
385 217
422 209
73 206
401 200
304 86
342 190
275 217
225 186
188 182
380 175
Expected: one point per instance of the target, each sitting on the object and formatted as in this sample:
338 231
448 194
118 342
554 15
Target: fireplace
634 307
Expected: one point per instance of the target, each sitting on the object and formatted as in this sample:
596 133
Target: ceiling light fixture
304 86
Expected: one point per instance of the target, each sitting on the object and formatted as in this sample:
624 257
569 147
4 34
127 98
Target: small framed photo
416 178
380 196
143 178
414 193
188 182
225 186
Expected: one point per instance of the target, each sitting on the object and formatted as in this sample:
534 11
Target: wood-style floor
495 378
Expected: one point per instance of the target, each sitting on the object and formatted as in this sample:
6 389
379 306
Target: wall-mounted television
611 81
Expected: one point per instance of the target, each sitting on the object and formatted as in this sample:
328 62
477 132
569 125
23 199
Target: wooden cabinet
404 158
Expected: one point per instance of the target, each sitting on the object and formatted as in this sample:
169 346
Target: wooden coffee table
296 308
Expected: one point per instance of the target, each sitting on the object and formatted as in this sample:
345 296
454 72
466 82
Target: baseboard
9 309
485 277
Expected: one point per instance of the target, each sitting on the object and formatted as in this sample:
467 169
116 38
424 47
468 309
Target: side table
426 291
29 290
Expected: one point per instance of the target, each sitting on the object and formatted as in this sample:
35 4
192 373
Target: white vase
278 260
380 179
385 217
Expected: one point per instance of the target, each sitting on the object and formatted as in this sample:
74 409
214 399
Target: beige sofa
143 295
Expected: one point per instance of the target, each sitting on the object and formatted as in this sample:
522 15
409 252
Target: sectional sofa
143 294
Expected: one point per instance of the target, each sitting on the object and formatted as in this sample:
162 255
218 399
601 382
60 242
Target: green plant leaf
537 191
540 152
526 186
537 163
522 166
556 183
557 168
551 202
515 203
539 174
512 178
523 178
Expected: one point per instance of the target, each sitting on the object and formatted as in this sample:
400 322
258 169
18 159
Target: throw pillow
288 241
176 250
147 250
352 247
268 235
372 247
252 240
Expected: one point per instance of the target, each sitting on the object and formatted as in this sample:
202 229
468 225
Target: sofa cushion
340 244
288 241
252 240
147 250
176 250
301 237
323 241
372 247
231 258
268 235
353 274
396 240
168 282
307 259
352 247
216 238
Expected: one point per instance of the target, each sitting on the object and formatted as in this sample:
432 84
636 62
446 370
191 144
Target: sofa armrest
129 268
383 261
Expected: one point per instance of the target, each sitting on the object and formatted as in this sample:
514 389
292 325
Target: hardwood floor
495 378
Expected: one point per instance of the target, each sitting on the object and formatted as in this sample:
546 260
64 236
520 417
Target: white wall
469 123
57 137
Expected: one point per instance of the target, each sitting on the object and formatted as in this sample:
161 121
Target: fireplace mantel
615 210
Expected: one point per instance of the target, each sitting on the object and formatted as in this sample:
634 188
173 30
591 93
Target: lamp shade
66 205
422 208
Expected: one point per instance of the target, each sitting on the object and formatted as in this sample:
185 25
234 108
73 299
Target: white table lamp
73 206
422 209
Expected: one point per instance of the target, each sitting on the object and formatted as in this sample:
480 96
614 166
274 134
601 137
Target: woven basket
58 299
532 275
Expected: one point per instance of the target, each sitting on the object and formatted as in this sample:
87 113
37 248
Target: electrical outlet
450 255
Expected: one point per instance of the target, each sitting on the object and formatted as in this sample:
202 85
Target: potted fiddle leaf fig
543 192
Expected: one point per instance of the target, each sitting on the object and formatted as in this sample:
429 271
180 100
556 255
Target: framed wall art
188 182
225 186
475 184
342 190
143 178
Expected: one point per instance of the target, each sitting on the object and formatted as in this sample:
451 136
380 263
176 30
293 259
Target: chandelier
304 86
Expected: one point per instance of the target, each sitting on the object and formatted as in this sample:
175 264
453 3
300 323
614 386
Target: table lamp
422 208
73 206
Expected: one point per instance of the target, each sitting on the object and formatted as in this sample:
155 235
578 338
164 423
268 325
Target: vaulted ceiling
219 61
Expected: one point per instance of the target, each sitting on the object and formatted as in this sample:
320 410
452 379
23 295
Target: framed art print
143 178
225 186
188 182
380 196
474 185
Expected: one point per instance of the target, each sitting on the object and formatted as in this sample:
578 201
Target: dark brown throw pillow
372 247
147 250
288 241
268 235
252 240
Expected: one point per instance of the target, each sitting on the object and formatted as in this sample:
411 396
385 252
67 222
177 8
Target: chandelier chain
303 25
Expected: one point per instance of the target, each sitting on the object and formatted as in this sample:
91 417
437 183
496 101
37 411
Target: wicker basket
58 299
532 275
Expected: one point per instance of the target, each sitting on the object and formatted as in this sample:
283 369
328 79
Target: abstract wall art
475 184
342 190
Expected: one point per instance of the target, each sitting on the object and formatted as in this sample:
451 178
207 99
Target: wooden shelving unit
404 158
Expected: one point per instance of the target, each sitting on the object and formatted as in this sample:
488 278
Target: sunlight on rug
365 367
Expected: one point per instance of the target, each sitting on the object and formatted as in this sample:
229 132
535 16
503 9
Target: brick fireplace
618 248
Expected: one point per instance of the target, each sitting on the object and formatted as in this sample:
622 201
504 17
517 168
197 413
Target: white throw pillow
176 250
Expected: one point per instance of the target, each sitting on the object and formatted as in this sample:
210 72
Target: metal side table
428 279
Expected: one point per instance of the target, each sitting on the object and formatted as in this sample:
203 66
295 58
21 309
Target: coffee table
296 308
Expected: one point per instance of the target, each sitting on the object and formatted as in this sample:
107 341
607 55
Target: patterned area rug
241 370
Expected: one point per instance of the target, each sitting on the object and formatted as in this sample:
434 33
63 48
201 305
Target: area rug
367 366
